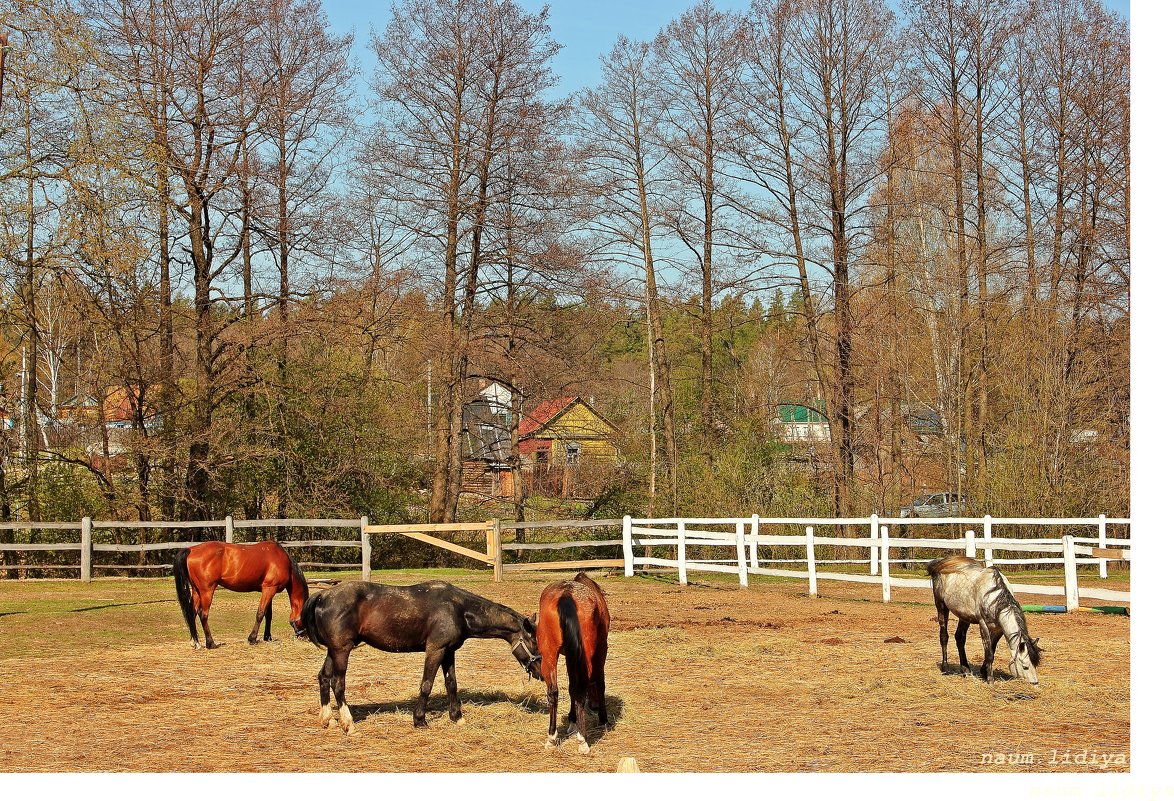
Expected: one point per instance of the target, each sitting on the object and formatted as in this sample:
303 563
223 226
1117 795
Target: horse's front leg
449 665
324 679
338 665
267 594
432 659
988 653
268 622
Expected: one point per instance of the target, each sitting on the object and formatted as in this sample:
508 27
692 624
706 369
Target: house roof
796 412
543 413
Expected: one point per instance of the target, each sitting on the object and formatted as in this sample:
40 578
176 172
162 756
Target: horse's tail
308 621
183 590
568 621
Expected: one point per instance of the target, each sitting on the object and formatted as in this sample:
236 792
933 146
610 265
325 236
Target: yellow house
564 432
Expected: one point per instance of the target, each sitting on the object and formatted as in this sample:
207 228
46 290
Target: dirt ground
100 677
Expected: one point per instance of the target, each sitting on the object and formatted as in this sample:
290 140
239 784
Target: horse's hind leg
432 659
267 594
960 641
944 634
206 604
268 621
550 676
324 677
449 665
579 715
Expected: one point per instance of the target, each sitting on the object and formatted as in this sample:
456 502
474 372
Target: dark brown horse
573 620
264 566
434 617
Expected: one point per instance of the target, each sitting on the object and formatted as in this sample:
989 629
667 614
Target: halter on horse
434 617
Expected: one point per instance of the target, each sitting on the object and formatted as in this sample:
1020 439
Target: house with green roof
801 422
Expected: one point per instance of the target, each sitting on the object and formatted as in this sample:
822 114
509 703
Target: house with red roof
566 432
561 441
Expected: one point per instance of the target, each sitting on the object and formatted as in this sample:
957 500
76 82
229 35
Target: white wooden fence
746 535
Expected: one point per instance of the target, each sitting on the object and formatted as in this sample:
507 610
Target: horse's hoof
196 645
459 721
331 724
584 748
551 743
252 641
420 724
349 730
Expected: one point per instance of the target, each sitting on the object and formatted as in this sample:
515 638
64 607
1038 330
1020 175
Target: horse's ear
528 623
1035 642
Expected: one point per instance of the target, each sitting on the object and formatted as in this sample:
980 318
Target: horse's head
1025 656
525 647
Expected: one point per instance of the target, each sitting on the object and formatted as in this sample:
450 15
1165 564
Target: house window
542 457
573 452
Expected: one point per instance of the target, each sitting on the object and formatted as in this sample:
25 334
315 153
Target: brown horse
573 619
263 566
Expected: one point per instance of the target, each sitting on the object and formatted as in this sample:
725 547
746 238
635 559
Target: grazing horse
573 619
263 566
979 594
434 617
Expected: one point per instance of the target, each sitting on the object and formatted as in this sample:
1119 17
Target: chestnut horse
263 566
573 620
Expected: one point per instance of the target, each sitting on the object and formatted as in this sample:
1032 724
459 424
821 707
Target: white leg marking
551 742
326 715
344 717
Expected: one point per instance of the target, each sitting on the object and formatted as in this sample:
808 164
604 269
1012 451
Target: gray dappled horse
978 594
434 617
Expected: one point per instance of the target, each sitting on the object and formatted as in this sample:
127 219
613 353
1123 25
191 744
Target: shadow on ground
437 709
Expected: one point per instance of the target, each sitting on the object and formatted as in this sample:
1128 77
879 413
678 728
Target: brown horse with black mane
264 566
573 620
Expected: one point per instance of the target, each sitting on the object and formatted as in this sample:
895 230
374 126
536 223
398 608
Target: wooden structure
757 550
565 446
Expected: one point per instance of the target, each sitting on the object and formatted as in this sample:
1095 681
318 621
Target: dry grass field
101 677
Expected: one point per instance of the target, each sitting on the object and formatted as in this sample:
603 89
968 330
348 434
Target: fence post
228 529
87 549
812 588
1104 563
365 546
629 566
1071 590
874 534
970 550
886 589
986 535
740 542
754 541
494 542
682 576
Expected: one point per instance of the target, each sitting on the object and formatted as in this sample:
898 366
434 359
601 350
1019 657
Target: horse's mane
296 571
1005 600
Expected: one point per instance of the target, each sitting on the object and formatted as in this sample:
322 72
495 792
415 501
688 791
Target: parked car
943 504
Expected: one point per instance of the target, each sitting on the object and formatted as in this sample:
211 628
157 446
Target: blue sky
585 28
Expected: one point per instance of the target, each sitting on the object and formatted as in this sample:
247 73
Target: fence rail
746 536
